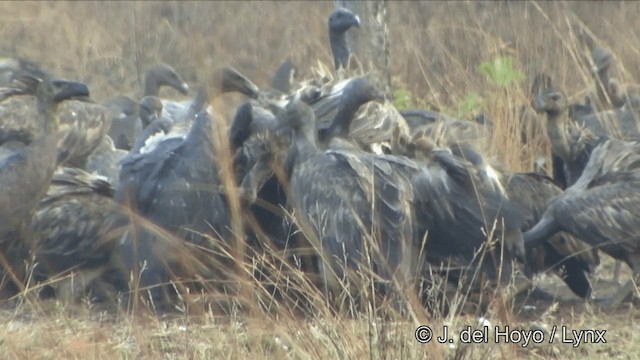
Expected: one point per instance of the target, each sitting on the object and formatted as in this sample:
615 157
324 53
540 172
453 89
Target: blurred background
436 51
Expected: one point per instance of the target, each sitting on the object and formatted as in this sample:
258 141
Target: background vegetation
444 57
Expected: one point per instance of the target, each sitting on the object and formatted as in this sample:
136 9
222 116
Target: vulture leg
72 287
616 271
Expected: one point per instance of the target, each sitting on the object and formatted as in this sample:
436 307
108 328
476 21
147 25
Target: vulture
463 209
161 75
27 159
601 207
263 144
164 75
258 140
340 21
82 124
371 122
570 142
175 186
573 139
575 111
251 118
348 202
171 178
127 125
608 92
571 259
150 109
75 233
105 159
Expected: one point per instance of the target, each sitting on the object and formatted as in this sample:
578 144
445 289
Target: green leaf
402 99
501 71
472 103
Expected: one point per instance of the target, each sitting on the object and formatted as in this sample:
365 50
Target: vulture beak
69 89
184 88
538 105
356 19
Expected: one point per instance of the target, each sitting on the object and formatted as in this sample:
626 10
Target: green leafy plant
471 104
402 99
501 71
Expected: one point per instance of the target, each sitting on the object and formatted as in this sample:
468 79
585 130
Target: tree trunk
370 43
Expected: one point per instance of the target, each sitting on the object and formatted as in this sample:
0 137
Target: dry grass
436 48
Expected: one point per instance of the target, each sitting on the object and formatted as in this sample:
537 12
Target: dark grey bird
533 129
250 118
582 128
27 159
257 138
75 233
228 80
258 142
82 124
175 186
150 109
106 159
622 123
181 111
569 258
573 139
172 179
158 131
125 125
333 194
359 102
608 92
161 75
340 21
601 207
256 131
462 209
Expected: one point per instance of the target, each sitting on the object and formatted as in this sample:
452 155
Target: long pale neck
41 156
151 87
45 145
339 48
558 126
602 87
341 123
201 135
305 145
47 117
